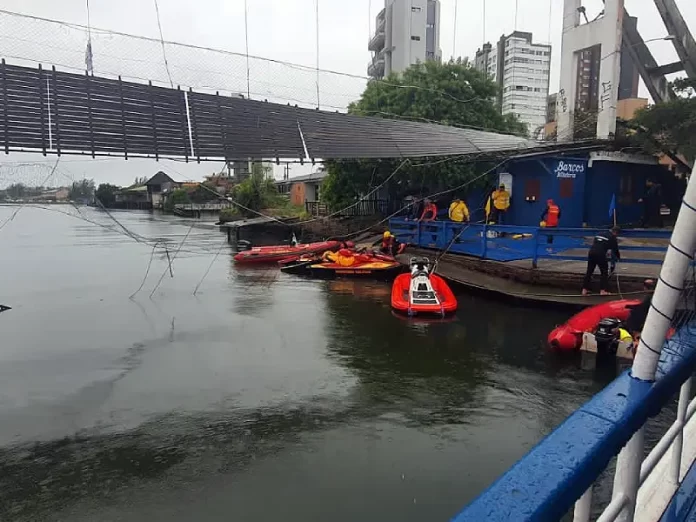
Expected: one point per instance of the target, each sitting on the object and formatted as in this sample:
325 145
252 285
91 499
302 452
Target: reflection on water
263 396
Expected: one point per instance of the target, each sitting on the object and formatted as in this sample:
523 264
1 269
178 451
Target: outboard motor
607 336
243 244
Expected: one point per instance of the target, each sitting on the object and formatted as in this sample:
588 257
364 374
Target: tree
106 194
81 190
452 93
670 125
256 192
16 191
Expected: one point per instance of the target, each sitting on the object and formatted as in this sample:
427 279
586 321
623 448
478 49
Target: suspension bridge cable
316 3
164 50
246 43
454 38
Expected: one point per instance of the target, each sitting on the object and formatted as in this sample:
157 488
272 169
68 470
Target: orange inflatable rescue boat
422 293
568 336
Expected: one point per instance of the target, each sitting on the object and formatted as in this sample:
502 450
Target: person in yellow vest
499 203
458 211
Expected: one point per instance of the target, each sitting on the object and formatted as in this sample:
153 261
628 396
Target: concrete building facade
521 69
406 32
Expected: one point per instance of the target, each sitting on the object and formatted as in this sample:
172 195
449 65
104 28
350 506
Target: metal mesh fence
27 40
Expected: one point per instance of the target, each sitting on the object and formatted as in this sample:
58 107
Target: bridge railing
560 471
511 243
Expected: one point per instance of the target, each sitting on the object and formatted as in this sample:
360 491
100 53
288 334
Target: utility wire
164 50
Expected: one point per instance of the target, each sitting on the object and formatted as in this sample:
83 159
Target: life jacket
552 215
345 257
501 199
429 212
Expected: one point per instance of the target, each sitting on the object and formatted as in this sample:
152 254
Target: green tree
452 93
257 192
106 194
670 125
81 190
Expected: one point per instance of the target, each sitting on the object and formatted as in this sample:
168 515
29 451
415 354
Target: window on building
415 9
532 189
415 38
565 188
626 189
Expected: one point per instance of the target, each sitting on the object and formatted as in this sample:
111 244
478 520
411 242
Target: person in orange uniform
429 211
550 217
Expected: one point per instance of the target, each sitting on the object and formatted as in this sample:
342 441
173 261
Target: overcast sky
279 29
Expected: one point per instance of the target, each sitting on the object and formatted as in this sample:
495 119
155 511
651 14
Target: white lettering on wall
569 170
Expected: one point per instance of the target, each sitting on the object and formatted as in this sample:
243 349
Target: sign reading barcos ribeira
567 169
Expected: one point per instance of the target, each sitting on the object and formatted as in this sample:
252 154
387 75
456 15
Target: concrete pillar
605 31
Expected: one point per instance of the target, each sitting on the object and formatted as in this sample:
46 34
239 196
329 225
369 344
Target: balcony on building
375 68
376 42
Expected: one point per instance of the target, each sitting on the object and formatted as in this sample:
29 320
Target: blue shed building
582 184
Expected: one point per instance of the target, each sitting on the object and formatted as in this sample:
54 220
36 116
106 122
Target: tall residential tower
521 69
406 32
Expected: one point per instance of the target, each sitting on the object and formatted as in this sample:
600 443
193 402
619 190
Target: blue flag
612 206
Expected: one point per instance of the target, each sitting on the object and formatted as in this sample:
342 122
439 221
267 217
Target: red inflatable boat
422 293
273 254
568 336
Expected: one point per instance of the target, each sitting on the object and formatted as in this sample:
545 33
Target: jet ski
421 293
344 263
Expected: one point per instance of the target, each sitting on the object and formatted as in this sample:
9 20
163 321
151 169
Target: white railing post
679 255
675 466
627 475
583 507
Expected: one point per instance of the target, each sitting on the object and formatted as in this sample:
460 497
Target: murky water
264 396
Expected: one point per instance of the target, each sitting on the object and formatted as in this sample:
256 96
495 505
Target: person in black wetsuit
639 312
597 257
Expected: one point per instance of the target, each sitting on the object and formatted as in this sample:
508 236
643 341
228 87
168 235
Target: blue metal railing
562 468
510 243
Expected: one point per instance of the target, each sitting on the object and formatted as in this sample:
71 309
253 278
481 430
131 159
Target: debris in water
4 308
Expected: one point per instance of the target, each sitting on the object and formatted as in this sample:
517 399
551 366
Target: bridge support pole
679 257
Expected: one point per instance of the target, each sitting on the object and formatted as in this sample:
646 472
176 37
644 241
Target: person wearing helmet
499 203
390 245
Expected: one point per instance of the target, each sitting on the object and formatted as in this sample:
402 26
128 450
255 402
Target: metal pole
627 475
583 507
684 397
680 254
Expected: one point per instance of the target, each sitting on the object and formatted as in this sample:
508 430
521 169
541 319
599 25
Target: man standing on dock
597 257
498 203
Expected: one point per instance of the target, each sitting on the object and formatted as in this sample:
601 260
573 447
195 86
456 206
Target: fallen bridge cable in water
212 262
159 282
147 272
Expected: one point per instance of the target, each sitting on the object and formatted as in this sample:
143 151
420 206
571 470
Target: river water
264 396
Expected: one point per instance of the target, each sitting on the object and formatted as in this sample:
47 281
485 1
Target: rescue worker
652 202
550 217
390 245
597 257
500 202
458 211
429 211
636 319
